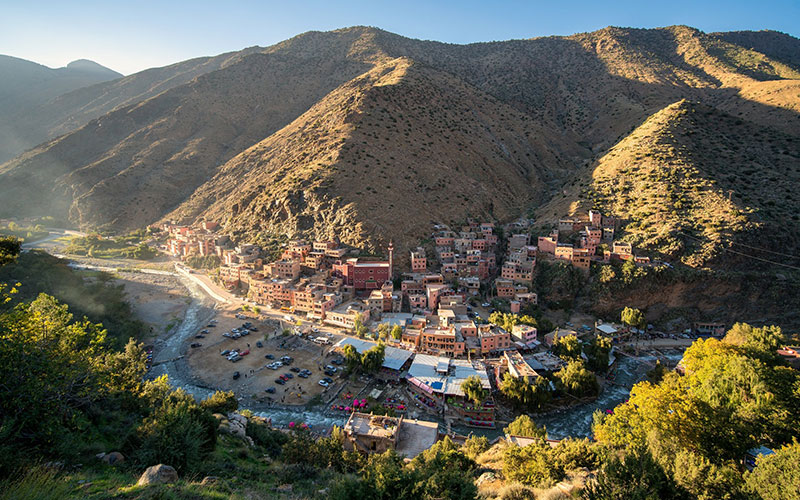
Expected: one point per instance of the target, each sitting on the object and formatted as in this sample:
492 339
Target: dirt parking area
214 370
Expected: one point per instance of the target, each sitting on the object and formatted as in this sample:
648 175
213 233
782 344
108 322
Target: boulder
113 458
158 474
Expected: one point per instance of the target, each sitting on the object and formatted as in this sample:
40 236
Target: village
459 316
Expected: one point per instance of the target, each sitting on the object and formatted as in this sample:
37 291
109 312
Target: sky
129 36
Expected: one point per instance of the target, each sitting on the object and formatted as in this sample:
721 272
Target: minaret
391 253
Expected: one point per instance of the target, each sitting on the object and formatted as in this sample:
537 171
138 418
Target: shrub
221 402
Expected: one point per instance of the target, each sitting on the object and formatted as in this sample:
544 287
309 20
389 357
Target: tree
633 318
567 347
352 358
526 427
383 331
776 477
474 390
372 359
474 446
179 432
359 329
524 395
577 380
9 249
397 332
762 341
635 476
256 309
531 464
598 351
221 402
245 307
657 373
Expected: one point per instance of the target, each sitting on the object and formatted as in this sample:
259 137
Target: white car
323 383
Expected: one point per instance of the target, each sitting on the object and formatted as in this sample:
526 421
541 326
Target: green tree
383 331
635 476
359 329
776 477
633 318
397 332
221 402
532 464
567 347
762 341
474 390
372 358
577 380
524 395
352 358
598 351
9 249
179 432
526 427
474 446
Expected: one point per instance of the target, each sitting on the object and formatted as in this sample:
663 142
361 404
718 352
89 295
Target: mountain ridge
578 95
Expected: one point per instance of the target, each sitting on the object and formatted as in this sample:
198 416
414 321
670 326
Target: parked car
284 378
236 359
288 375
245 352
198 336
226 334
269 356
323 383
270 390
225 352
236 375
203 331
294 369
331 368
211 325
279 381
196 344
303 375
328 380
338 361
253 329
259 344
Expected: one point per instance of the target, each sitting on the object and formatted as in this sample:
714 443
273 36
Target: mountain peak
88 65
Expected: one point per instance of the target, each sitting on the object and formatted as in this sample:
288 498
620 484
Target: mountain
352 132
25 85
694 183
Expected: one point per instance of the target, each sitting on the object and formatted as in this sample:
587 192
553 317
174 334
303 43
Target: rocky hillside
695 183
353 131
364 160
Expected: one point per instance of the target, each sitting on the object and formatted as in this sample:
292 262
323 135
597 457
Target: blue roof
436 385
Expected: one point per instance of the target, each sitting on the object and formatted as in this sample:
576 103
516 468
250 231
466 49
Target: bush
266 437
474 446
221 402
517 491
179 433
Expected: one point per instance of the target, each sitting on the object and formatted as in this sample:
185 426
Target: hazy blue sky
132 35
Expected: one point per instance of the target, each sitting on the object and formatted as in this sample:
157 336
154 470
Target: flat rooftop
365 424
416 436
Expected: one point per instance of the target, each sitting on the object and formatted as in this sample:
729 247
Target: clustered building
577 241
